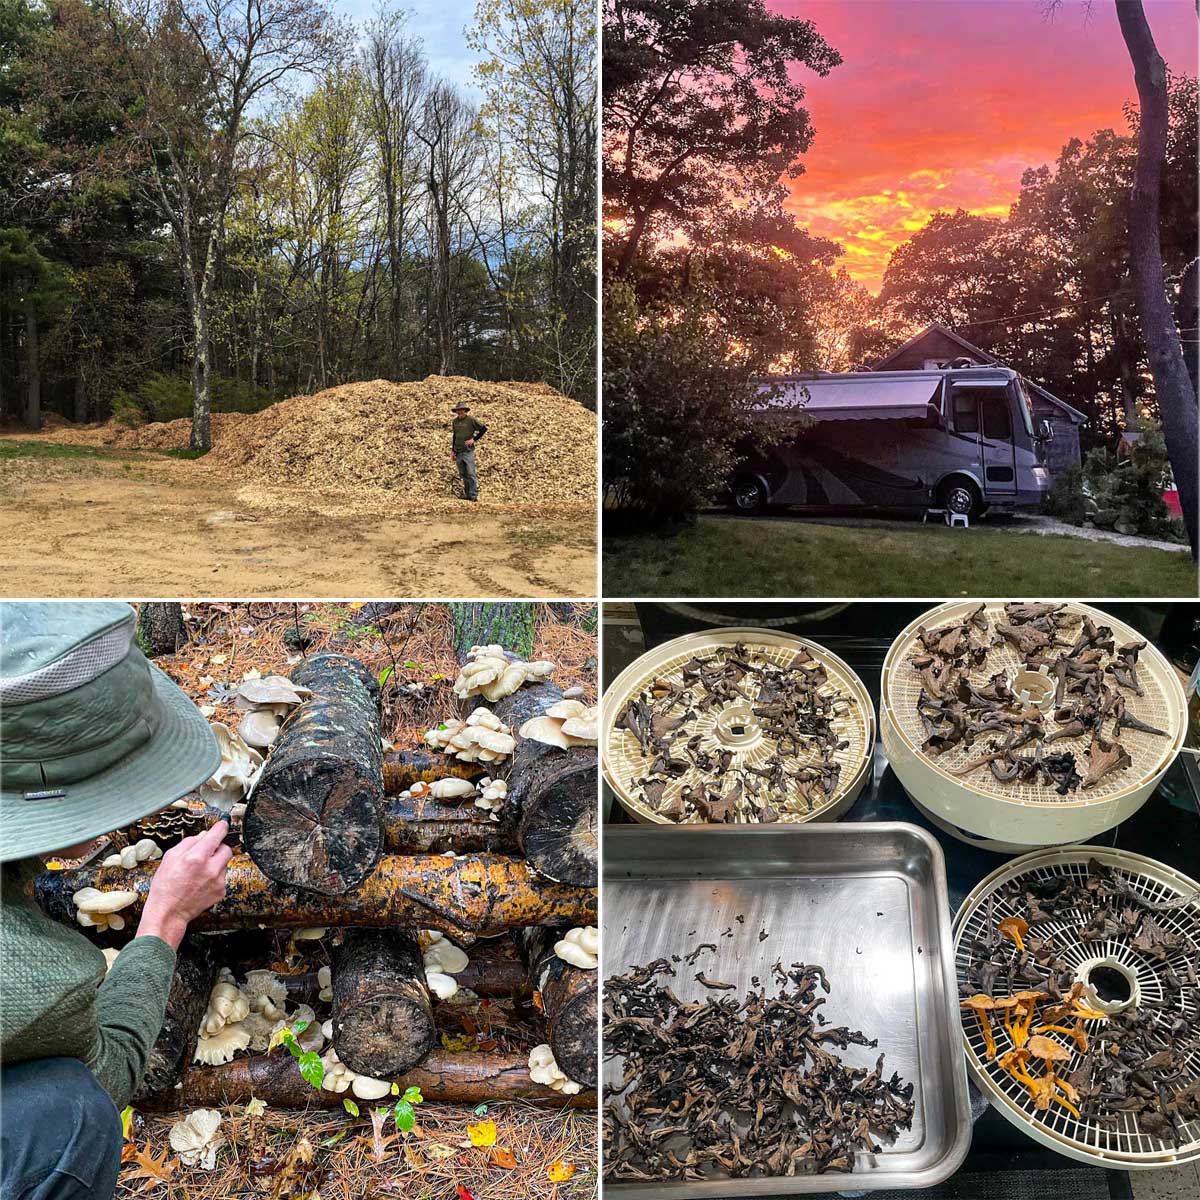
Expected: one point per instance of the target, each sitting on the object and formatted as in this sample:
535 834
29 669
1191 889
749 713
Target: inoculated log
477 896
171 1054
570 1003
276 1079
402 769
314 818
422 825
554 792
382 1014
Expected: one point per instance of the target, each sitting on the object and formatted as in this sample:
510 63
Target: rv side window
966 415
996 422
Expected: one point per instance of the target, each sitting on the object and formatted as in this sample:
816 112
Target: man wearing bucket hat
92 738
466 432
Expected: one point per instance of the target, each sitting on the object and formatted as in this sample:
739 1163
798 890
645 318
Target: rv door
982 413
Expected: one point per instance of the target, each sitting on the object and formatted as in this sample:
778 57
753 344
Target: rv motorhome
962 439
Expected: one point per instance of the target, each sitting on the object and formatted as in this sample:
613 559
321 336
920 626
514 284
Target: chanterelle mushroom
196 1140
981 1006
1015 929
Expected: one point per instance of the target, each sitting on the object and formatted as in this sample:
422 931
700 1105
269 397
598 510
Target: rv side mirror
1045 430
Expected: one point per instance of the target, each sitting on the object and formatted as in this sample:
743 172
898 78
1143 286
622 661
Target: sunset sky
943 103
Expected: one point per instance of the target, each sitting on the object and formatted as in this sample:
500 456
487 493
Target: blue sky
438 23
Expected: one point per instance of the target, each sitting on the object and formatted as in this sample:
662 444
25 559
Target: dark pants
60 1133
466 471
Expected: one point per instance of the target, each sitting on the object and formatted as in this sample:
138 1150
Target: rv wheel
961 496
749 495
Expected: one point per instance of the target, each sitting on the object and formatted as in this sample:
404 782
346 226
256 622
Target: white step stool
948 518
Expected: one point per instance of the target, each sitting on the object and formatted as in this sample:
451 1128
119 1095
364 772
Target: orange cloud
941 104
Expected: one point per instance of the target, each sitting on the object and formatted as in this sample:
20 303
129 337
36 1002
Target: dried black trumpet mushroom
748 1088
795 707
1139 1061
961 706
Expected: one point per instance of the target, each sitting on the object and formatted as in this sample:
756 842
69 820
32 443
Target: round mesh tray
1122 1145
968 801
624 762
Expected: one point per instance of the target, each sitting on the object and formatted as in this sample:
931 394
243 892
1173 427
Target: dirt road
141 524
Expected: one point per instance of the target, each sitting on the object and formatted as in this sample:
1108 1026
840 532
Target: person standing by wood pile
466 433
94 739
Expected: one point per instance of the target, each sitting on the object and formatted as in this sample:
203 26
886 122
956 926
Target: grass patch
184 452
723 557
24 448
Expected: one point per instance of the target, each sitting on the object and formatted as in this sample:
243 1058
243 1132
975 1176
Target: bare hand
189 880
470 443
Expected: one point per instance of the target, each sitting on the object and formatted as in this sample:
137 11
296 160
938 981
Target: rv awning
852 398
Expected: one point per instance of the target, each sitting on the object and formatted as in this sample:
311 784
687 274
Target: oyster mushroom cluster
340 1078
99 910
564 724
491 673
442 960
266 703
196 1139
580 947
543 1069
246 1017
1052 1031
233 779
482 737
1070 739
144 850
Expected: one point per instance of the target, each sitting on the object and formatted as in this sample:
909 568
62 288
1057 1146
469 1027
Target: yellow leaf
256 1107
126 1121
482 1134
559 1171
456 1043
278 1038
503 1157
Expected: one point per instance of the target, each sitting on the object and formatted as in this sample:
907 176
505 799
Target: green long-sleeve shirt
55 1000
466 429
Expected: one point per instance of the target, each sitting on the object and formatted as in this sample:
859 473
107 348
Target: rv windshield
1025 405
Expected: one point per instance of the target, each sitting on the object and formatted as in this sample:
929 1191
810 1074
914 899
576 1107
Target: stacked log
569 997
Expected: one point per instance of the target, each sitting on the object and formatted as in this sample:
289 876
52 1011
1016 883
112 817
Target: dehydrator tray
1018 816
866 902
1173 902
732 728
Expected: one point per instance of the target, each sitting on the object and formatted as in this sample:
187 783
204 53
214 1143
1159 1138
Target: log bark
276 1079
1172 384
171 1054
467 898
382 1014
509 625
160 628
423 825
570 1003
402 770
552 795
314 819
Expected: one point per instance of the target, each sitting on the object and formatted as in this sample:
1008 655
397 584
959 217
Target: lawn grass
727 557
30 448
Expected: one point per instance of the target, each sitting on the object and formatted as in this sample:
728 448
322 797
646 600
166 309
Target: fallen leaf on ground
503 1157
559 1171
482 1134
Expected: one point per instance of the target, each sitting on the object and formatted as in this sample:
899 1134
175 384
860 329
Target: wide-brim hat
92 736
461 407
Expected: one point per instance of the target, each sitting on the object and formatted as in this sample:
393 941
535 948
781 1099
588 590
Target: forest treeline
710 281
206 203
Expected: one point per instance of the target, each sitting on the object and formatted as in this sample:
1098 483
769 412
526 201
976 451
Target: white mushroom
271 693
235 776
310 1037
486 718
543 1069
581 731
101 910
580 947
440 984
311 934
220 1047
564 709
573 693
259 1027
196 1140
366 1088
226 1006
544 729
110 957
259 728
325 983
338 1076
266 992
452 789
419 789
445 957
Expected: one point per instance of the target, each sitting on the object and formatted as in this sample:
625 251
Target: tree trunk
1187 318
160 628
458 1078
33 368
171 1054
201 438
1172 386
80 405
554 792
313 819
382 1014
509 625
423 825
467 898
570 1003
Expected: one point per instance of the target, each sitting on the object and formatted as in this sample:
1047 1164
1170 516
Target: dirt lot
95 521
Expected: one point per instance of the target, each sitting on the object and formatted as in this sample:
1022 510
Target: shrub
162 397
1128 494
1065 499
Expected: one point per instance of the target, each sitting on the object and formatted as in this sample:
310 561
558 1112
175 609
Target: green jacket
466 429
55 1000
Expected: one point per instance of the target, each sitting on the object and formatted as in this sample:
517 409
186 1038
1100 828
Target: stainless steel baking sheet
866 901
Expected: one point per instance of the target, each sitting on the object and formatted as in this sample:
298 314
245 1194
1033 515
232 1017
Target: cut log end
558 831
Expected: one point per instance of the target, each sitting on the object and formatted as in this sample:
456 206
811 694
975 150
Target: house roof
882 365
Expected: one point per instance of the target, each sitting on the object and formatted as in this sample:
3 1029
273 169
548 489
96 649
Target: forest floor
86 520
749 556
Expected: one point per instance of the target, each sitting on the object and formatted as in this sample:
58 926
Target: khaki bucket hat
92 736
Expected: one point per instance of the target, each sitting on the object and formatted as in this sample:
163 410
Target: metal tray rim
955 1150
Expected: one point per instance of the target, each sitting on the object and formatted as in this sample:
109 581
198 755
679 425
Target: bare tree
197 69
451 142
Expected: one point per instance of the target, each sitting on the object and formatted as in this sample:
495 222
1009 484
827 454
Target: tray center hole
737 727
1111 984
